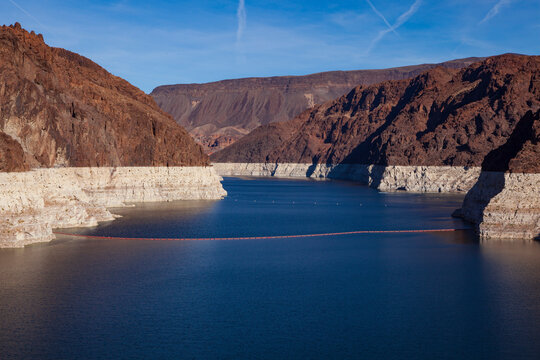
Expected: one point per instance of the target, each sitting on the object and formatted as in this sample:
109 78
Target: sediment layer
384 178
32 203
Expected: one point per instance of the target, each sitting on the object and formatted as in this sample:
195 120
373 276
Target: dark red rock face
222 112
441 117
63 109
11 155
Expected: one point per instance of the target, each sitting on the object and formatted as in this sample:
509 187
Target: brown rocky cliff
65 110
232 108
441 117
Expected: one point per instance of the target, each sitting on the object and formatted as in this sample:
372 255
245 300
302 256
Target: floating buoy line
262 237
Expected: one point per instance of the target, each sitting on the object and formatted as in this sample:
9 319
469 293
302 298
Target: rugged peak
498 67
17 32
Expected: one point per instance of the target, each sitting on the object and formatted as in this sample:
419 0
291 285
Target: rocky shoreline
35 202
383 178
504 206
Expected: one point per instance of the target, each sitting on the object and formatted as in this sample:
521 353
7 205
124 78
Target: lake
374 296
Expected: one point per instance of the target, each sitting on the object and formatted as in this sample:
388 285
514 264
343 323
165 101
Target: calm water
383 296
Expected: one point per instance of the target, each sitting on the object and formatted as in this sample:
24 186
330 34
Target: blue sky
151 43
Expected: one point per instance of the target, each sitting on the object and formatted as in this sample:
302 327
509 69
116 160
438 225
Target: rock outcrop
504 206
32 203
483 116
434 179
219 113
75 139
505 201
65 110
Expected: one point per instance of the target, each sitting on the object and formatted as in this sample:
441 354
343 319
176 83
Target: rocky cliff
443 117
75 139
505 201
219 113
65 110
478 119
32 203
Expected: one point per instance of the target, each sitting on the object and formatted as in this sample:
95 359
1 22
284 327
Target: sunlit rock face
65 110
32 203
75 140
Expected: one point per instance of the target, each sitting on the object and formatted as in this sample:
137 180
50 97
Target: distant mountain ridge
219 113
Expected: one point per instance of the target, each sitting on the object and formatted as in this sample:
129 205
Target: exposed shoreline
32 203
434 179
504 206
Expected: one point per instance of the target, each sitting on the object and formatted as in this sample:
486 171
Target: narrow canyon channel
438 295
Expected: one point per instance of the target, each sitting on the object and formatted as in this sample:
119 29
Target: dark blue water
379 296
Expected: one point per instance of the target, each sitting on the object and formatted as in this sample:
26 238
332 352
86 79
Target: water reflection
140 218
512 271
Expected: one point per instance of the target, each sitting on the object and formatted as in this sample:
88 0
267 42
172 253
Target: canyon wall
35 202
58 108
483 118
443 117
505 201
75 140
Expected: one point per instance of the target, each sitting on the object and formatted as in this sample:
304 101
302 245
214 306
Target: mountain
219 113
58 108
441 117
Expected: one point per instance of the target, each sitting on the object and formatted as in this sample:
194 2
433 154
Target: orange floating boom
261 237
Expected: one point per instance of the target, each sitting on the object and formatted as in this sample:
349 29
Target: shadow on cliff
491 180
358 172
366 153
311 169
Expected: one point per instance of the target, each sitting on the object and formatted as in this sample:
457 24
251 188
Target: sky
152 43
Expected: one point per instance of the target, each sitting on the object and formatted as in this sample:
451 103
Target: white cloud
400 21
495 10
381 16
27 13
242 19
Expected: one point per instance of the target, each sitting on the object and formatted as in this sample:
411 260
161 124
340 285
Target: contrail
381 16
400 21
495 10
241 16
26 12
